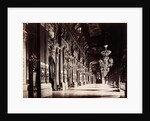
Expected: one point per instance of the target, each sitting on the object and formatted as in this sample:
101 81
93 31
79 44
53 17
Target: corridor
89 91
74 60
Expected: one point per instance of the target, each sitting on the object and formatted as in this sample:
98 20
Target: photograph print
74 60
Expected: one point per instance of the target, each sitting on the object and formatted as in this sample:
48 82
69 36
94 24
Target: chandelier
106 62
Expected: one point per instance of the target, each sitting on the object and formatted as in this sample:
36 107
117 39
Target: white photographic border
18 16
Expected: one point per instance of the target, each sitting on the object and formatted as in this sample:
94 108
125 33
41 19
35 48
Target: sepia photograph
74 60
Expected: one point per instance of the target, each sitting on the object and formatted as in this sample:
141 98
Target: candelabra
33 62
105 63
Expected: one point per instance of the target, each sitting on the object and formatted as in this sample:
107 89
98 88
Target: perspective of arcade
60 56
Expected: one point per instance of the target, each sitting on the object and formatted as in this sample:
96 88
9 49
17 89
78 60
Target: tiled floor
88 91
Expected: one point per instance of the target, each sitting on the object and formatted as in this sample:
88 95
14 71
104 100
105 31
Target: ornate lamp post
105 63
32 73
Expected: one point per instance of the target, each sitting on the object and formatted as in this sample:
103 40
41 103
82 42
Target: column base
46 89
75 84
25 90
103 81
65 85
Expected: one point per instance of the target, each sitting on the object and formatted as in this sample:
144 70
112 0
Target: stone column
54 56
46 87
25 85
86 78
61 61
81 78
75 73
57 66
90 75
70 70
65 83
46 57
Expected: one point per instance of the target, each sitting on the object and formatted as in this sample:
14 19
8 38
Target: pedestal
65 86
25 90
46 89
103 80
75 84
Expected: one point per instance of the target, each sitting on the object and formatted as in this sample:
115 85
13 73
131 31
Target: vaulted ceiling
93 36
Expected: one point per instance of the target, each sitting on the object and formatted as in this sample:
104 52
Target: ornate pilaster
25 85
24 56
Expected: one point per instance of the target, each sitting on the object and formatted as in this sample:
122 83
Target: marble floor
88 91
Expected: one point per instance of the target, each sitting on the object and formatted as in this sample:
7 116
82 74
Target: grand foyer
74 60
